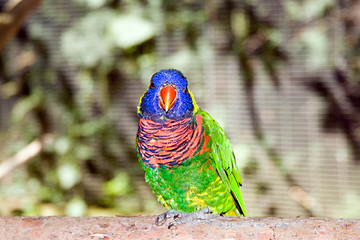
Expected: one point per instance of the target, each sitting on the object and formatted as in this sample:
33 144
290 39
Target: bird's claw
172 224
181 217
161 219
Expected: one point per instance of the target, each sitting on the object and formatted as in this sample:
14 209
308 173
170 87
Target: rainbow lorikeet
188 161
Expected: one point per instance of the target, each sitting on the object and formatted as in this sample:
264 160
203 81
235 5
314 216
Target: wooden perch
113 228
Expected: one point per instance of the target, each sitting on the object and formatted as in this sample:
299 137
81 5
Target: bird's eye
152 85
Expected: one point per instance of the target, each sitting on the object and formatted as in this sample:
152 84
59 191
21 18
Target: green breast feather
209 177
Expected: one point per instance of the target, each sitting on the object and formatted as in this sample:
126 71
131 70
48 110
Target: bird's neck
170 143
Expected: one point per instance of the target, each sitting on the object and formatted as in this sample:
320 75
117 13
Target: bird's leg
182 217
161 219
203 214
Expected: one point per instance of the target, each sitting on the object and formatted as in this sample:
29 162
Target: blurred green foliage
77 171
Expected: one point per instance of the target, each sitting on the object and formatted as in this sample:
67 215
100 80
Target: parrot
188 161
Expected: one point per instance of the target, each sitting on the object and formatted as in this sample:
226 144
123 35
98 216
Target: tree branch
24 155
11 19
97 228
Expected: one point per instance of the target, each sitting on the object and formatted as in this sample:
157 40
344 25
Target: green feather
224 159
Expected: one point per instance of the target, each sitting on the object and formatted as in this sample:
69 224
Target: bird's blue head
167 97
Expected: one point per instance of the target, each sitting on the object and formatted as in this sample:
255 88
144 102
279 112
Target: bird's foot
161 219
182 217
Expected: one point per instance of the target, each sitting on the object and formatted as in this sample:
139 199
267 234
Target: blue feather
149 105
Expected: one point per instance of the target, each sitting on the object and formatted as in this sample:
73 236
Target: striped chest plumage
177 161
172 142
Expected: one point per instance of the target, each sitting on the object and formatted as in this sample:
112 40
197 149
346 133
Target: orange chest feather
172 142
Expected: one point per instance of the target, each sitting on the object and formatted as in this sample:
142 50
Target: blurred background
280 76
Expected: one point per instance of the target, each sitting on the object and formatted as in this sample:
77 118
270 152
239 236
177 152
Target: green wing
224 158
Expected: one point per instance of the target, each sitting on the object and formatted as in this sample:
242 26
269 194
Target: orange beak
167 97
